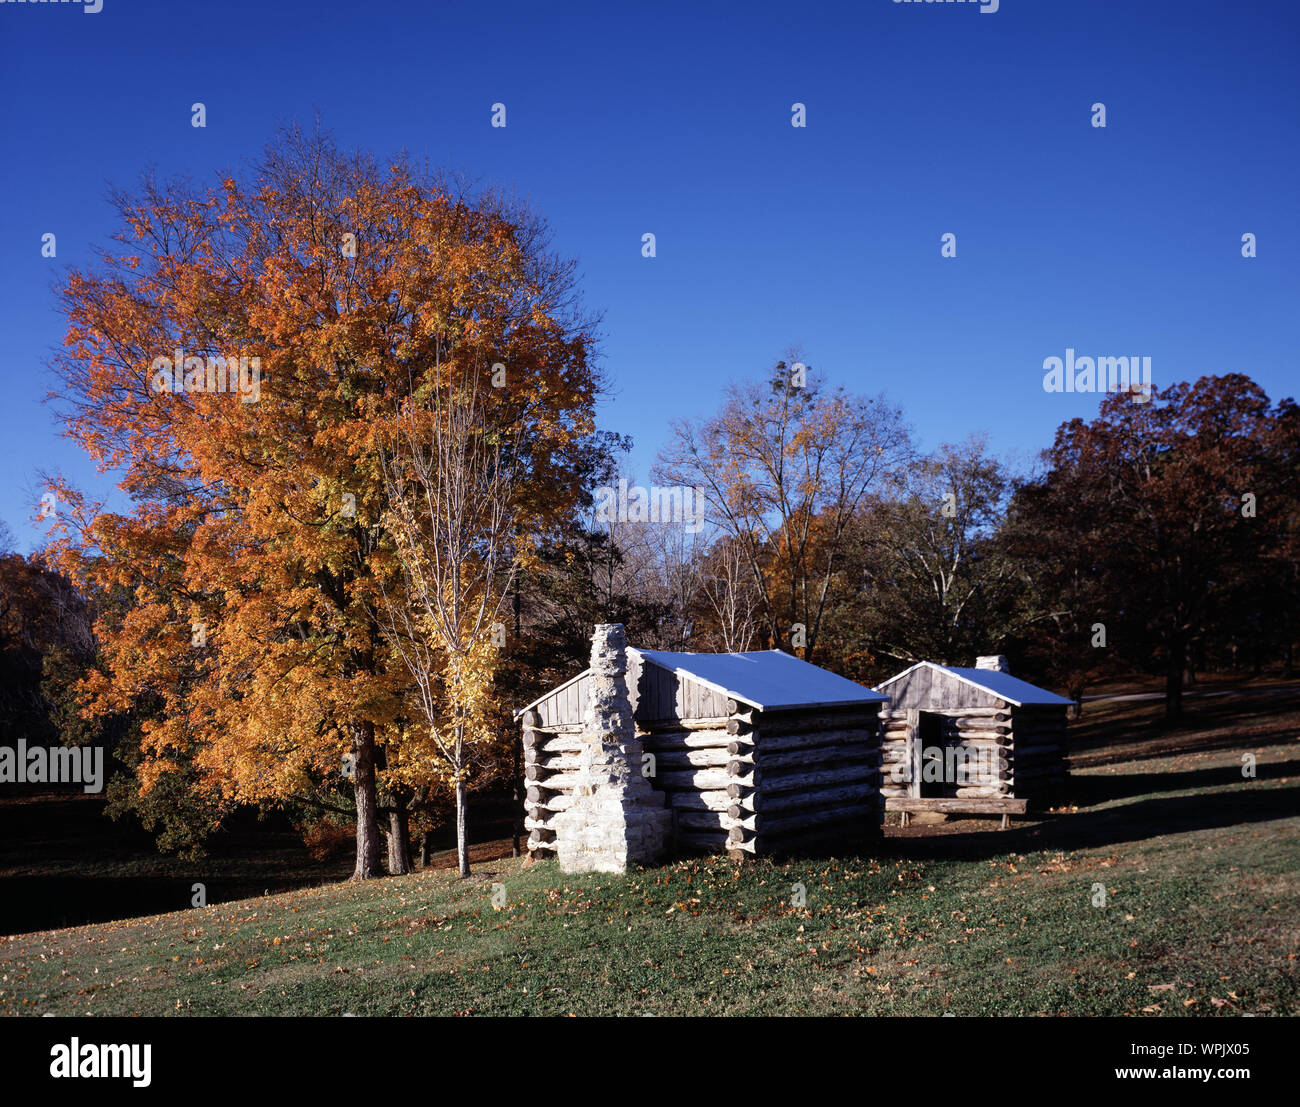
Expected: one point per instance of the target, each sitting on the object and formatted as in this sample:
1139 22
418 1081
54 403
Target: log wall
799 777
999 751
746 781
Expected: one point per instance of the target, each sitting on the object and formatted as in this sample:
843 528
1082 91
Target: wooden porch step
971 805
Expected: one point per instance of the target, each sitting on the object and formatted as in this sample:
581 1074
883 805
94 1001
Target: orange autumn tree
239 359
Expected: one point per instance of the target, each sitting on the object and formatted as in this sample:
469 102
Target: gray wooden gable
931 688
655 693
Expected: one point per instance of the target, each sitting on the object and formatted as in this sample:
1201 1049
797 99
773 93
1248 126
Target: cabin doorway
928 760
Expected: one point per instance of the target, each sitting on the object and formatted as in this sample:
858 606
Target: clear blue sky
624 119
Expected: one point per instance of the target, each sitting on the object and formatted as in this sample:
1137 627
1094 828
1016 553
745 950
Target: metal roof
765 679
1003 685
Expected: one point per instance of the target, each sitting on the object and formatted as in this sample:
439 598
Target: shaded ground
64 863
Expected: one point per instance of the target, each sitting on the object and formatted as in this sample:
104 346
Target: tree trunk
424 849
363 750
462 829
399 841
1174 682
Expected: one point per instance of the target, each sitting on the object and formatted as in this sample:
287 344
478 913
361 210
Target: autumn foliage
255 553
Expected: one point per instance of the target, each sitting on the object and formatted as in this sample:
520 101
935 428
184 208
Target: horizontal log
947 804
1038 741
999 709
543 792
775 726
777 784
703 840
975 731
667 726
556 782
699 780
821 755
533 735
551 801
717 800
553 743
701 820
784 743
553 762
690 759
807 819
794 801
685 739
531 823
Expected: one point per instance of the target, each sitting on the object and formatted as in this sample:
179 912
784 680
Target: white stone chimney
995 661
616 817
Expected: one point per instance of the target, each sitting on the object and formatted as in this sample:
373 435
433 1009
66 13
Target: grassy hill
1200 866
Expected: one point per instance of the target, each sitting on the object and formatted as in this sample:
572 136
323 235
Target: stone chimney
995 661
616 817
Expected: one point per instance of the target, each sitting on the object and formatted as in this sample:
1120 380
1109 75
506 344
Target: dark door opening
930 757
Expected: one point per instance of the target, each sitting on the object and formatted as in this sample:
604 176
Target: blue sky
623 119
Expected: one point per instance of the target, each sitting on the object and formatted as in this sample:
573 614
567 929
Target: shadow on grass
1133 822
1091 789
1139 731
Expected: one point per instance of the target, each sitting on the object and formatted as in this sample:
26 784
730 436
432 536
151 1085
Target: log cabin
755 753
973 741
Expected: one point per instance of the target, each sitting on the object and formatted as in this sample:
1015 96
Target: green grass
1201 870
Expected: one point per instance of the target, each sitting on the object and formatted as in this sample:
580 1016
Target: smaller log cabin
757 752
976 741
